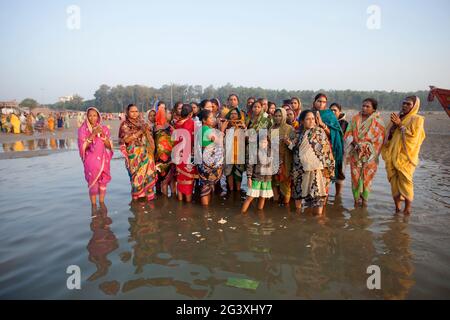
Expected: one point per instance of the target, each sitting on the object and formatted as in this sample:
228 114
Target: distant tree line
114 99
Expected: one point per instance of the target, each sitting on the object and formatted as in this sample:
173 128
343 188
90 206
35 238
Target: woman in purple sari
95 146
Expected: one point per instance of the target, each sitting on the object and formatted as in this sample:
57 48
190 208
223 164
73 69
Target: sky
282 44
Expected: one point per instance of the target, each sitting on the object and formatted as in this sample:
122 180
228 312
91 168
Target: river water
168 250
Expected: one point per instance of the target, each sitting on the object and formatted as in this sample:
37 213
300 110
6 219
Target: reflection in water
313 258
18 146
53 144
31 145
397 277
42 144
102 242
322 258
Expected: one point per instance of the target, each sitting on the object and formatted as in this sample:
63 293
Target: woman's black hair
130 105
160 103
186 110
412 98
257 102
233 94
204 114
373 102
337 105
215 101
203 103
272 103
304 113
320 95
175 106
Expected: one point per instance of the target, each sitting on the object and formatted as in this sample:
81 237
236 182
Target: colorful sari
51 123
95 156
336 137
15 123
186 172
283 178
313 167
368 135
295 124
29 125
139 158
261 122
234 169
164 146
211 168
401 152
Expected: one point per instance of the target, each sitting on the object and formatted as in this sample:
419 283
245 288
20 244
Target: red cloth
186 173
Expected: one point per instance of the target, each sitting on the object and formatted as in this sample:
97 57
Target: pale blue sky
271 44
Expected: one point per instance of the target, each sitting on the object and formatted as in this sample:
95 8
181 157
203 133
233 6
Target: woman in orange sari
51 122
364 139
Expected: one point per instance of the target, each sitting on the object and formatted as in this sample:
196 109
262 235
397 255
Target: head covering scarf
401 151
129 127
336 136
284 127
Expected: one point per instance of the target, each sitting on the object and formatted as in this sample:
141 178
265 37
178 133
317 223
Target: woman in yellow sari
404 137
15 123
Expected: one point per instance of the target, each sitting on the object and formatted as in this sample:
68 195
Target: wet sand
169 250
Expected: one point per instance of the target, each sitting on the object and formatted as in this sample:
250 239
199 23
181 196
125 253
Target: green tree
29 103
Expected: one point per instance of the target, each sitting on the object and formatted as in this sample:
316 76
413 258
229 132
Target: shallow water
39 144
170 250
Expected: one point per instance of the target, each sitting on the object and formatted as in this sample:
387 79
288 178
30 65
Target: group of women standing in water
314 146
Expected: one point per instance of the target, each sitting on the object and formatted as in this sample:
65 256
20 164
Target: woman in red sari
186 170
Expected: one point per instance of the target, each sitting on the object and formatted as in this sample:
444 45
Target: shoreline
436 122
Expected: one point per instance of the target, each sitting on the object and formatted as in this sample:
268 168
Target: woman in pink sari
95 146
